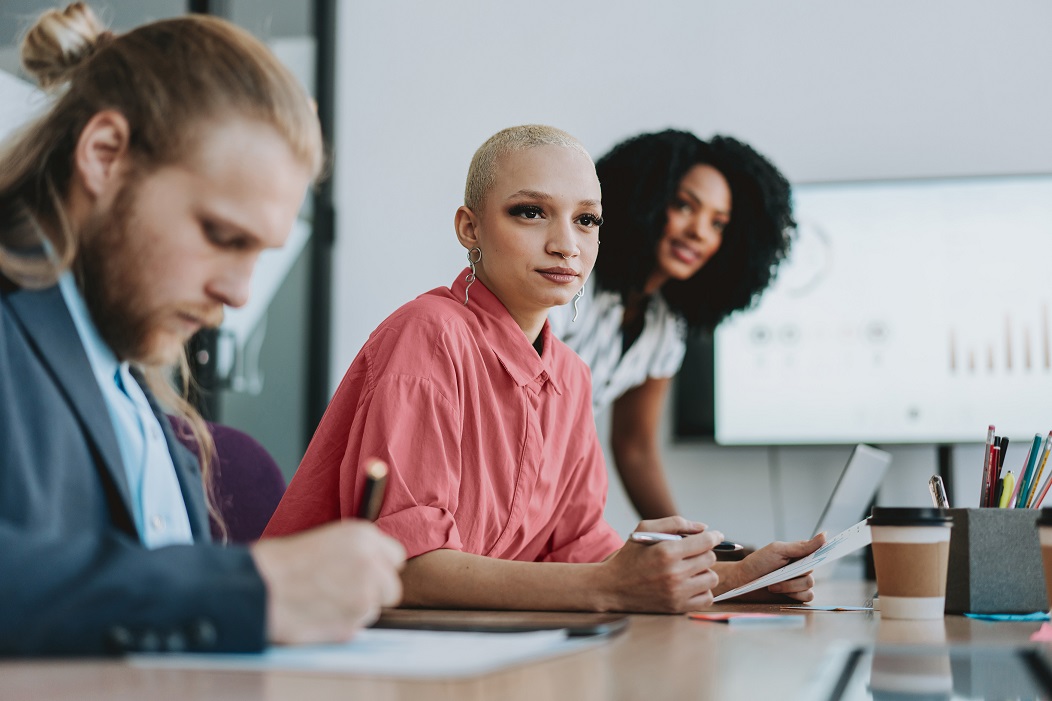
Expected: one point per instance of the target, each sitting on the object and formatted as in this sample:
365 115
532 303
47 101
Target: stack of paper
393 653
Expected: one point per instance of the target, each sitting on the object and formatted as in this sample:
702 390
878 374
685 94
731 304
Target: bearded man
131 213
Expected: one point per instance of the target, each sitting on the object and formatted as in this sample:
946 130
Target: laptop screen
855 489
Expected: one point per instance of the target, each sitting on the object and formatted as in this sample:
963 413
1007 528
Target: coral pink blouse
492 449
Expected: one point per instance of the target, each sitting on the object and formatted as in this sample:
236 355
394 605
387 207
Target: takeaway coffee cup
911 550
1044 534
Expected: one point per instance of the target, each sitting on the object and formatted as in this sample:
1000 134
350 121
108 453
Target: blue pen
1028 472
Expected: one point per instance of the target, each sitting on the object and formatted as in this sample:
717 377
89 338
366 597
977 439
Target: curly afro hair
640 178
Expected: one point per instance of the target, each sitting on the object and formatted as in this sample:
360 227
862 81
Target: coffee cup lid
907 516
1045 519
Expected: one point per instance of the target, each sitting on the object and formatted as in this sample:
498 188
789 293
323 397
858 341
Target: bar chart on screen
1019 347
907 311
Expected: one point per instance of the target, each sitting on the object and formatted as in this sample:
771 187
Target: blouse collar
514 351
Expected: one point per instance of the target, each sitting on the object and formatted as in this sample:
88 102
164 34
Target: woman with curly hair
693 231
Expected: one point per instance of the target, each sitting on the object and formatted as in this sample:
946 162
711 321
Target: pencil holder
995 562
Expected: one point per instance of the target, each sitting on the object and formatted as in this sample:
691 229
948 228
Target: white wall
827 89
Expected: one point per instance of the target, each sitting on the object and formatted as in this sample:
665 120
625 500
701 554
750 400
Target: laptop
854 491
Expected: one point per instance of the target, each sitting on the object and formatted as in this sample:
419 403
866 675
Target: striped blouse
596 337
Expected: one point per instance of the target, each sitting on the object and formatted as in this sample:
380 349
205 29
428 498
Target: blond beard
111 278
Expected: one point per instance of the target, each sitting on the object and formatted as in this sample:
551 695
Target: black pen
373 491
1002 445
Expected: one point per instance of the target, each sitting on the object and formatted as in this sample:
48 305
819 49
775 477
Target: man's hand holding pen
353 572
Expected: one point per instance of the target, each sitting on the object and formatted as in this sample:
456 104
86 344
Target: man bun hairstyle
59 41
169 79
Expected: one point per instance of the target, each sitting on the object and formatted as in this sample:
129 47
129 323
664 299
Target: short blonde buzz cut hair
483 169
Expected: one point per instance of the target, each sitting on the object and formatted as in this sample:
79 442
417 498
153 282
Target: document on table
392 653
835 548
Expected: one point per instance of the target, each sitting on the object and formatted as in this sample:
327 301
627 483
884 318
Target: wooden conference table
656 658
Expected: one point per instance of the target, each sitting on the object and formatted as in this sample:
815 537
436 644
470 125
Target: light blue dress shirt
157 501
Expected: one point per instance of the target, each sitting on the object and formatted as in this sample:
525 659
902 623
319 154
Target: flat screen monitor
907 312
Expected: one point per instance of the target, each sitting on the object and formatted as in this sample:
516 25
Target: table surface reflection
656 658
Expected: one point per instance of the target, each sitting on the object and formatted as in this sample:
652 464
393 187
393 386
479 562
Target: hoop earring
580 293
474 256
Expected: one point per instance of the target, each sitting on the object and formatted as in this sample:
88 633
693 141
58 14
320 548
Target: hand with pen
326 583
670 576
686 565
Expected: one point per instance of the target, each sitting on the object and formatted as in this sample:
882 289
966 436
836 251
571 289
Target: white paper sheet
844 543
392 653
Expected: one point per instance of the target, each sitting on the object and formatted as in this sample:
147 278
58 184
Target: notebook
854 491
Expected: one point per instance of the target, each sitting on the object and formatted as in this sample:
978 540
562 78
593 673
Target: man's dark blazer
74 577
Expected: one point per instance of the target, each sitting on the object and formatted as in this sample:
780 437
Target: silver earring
474 256
576 297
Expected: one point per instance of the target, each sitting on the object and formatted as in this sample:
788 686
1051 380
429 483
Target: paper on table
832 609
392 653
835 548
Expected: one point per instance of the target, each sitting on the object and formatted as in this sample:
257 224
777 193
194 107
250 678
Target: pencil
1014 501
1044 491
1035 490
1003 445
1028 475
1039 467
995 460
984 491
373 490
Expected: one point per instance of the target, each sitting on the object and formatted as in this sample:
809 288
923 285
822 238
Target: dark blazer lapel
49 327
